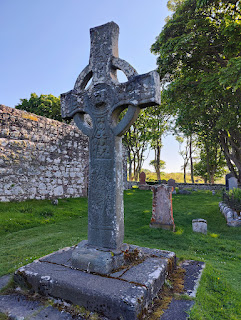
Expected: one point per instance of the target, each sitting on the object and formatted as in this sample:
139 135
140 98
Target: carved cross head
105 96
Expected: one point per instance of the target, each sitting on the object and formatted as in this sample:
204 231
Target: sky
45 44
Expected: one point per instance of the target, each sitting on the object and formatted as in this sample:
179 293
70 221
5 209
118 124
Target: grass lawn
31 229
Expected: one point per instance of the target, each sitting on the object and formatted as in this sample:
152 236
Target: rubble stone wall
40 158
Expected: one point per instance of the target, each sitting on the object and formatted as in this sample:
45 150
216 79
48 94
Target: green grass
32 229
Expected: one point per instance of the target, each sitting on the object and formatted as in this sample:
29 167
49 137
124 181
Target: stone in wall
40 158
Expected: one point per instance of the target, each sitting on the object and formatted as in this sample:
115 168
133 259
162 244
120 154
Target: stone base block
96 260
123 294
163 226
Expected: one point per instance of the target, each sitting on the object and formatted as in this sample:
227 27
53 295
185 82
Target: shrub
233 199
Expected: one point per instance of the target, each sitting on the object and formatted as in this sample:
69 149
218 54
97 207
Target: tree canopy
199 61
45 105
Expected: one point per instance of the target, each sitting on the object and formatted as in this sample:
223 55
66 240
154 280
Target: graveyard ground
31 229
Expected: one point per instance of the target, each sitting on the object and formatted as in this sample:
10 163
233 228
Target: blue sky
45 45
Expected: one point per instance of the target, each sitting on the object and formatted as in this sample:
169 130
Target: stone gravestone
142 182
162 214
103 101
199 225
142 177
232 183
229 175
172 183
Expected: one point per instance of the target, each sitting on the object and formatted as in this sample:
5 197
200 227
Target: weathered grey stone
103 101
162 214
178 308
27 160
4 280
229 175
199 225
91 259
120 295
18 307
193 273
232 218
232 183
171 183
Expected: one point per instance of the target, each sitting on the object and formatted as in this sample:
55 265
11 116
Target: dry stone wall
40 158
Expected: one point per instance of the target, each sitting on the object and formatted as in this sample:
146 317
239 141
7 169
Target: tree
161 165
211 164
136 142
44 105
186 154
157 123
199 61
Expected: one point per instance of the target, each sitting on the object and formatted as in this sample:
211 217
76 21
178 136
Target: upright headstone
142 182
232 183
142 178
172 183
227 177
104 100
162 213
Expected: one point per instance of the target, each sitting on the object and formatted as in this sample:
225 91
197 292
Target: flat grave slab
123 294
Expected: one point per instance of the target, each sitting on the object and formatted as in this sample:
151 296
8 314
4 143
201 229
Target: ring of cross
132 111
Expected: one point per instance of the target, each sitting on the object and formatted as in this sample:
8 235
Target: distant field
178 176
33 228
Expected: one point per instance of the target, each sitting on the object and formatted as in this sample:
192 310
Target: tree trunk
191 160
130 165
233 159
184 173
208 163
158 156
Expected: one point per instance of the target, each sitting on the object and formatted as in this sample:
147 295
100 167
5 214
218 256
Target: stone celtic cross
103 100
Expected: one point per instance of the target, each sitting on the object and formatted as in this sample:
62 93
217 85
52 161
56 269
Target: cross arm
142 91
71 103
72 106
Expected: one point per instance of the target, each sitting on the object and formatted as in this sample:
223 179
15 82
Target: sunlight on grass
179 231
214 235
32 229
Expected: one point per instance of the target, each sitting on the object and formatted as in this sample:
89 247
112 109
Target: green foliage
219 293
43 105
235 193
162 165
233 199
157 122
211 161
146 131
136 142
199 63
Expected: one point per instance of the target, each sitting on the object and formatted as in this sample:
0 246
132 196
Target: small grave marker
199 225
